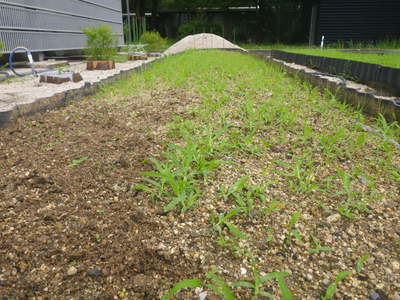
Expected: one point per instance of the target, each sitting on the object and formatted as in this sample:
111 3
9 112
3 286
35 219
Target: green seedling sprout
331 290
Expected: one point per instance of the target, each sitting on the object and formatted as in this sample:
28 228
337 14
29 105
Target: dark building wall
359 20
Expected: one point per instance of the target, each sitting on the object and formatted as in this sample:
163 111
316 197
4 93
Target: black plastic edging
62 99
385 79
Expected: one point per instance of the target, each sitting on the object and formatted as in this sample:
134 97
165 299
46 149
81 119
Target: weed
331 290
318 247
361 261
222 220
259 280
97 236
212 281
78 161
301 175
184 284
292 231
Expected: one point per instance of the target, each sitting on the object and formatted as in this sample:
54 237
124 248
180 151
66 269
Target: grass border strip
64 98
368 102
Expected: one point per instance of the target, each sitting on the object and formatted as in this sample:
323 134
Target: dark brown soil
56 215
71 227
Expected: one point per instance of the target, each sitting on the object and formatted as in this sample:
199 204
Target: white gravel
201 41
29 89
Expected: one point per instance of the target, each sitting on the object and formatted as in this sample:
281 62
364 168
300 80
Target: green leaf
184 284
77 162
224 290
360 262
265 294
236 231
286 293
140 187
330 291
172 204
294 219
342 275
243 284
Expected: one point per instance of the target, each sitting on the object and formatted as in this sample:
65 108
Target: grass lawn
389 60
209 169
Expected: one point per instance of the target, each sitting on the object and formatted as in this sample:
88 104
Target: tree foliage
280 20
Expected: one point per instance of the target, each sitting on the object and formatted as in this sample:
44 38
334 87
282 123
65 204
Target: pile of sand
201 41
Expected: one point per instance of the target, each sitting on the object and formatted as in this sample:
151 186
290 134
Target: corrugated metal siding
43 25
359 20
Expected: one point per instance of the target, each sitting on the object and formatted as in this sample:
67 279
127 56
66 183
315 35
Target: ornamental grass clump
153 41
101 46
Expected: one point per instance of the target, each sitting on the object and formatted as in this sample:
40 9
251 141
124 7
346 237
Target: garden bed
250 173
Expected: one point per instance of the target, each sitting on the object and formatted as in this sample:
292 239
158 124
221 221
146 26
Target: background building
358 20
51 25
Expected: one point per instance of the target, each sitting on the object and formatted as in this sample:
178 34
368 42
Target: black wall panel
359 20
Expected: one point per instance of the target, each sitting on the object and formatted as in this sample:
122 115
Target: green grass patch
388 60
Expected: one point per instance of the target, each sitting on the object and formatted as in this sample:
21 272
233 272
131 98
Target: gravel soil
71 227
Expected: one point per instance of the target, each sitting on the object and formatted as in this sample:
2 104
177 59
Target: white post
322 42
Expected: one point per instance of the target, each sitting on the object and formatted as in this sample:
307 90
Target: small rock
95 272
72 271
388 271
3 283
203 295
377 295
333 218
243 271
395 265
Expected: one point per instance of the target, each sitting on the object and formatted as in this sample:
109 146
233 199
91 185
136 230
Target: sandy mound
201 41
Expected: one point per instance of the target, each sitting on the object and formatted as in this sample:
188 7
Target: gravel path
29 89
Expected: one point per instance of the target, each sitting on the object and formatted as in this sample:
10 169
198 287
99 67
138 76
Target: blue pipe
28 54
30 58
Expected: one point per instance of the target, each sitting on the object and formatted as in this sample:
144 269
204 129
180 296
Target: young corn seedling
212 282
179 186
292 231
77 162
331 290
318 247
222 221
259 280
329 143
245 196
361 261
301 176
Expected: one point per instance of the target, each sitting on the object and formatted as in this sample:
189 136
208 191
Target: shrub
101 43
153 41
199 25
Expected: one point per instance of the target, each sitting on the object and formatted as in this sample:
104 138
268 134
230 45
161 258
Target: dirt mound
201 41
